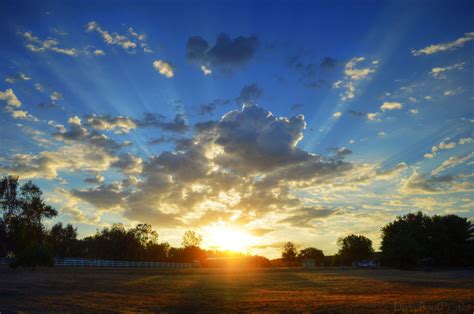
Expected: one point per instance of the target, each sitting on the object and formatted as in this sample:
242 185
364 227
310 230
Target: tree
63 240
312 253
22 222
191 239
354 248
289 253
415 237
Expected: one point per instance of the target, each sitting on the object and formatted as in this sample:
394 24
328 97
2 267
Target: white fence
81 262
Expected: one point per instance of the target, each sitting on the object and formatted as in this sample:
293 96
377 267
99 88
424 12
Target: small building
308 263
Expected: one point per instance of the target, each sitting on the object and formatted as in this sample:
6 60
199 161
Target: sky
251 122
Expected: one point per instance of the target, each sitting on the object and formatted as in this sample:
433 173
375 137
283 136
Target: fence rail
79 262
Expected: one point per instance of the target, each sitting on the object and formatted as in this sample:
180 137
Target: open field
257 290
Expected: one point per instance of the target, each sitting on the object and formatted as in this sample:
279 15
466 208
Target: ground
224 290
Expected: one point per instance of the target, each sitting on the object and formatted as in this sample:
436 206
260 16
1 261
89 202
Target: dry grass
224 290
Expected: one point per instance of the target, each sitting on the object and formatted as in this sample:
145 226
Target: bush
32 256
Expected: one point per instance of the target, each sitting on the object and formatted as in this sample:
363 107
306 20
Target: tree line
408 241
25 239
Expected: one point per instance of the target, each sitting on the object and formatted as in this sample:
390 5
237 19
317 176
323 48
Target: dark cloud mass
178 124
227 53
249 94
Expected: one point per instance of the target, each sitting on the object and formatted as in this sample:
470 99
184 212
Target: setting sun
223 237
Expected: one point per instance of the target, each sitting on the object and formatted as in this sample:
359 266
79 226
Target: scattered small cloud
391 106
438 72
165 68
432 49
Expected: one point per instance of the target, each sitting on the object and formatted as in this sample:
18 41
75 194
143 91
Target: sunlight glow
229 238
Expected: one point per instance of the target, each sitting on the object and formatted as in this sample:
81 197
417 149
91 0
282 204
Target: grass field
219 290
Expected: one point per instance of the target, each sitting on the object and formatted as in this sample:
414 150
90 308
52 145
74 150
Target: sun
227 238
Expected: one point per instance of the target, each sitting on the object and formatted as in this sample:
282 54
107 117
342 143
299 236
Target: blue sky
272 120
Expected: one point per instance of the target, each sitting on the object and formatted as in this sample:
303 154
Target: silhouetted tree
413 238
354 248
289 253
23 211
63 240
313 253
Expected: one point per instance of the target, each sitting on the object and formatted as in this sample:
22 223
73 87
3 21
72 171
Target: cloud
10 98
12 104
391 106
354 73
372 116
452 162
355 70
444 145
438 72
13 78
112 39
178 124
118 124
303 217
105 196
227 54
452 92
164 68
79 133
128 164
337 114
36 45
95 179
99 52
47 164
429 184
209 108
55 96
249 94
453 45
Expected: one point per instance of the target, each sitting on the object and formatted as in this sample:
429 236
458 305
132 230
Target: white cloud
117 124
206 70
12 79
99 52
391 106
465 140
55 96
354 72
452 162
444 46
164 68
446 144
36 45
452 92
372 116
438 72
10 98
413 111
129 42
337 114
12 104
